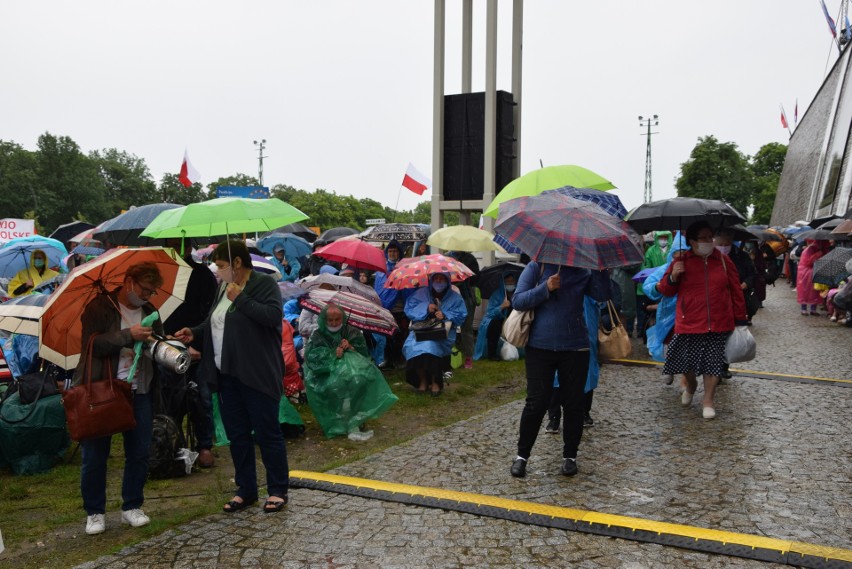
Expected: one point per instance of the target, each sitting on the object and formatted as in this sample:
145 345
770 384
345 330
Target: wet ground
775 462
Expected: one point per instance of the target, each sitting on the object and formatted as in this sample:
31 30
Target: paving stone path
775 462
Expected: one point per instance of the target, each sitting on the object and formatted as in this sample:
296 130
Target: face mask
135 299
663 243
337 328
38 263
704 249
723 249
226 274
439 287
510 288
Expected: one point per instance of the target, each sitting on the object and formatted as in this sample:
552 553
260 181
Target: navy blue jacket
559 324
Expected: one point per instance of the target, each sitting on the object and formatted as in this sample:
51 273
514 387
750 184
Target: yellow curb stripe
576 515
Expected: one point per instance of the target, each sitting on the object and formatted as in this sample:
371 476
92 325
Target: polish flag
188 174
415 181
784 119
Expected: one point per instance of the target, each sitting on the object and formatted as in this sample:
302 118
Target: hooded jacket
417 309
17 286
655 256
388 296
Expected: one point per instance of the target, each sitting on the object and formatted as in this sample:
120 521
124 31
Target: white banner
11 228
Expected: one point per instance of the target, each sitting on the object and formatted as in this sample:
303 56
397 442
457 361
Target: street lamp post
646 123
260 146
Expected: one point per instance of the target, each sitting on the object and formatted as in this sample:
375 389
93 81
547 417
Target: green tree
67 181
171 190
126 178
17 180
766 167
717 171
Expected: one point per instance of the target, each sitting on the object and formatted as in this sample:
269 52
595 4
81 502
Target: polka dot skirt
702 354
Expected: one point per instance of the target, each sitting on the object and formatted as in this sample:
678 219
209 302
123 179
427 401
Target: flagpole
396 209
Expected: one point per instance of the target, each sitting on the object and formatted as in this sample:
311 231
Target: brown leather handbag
100 408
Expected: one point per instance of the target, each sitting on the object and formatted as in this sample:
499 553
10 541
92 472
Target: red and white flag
188 174
784 122
415 180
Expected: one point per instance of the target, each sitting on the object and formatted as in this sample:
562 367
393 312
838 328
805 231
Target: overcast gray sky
342 90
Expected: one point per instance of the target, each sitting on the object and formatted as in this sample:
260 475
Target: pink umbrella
413 273
355 253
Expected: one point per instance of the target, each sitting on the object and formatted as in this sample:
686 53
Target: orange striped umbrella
60 328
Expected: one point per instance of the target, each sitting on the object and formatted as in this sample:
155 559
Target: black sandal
270 506
233 506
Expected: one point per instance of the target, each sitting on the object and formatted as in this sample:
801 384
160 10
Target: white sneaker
686 398
95 524
709 413
135 518
668 379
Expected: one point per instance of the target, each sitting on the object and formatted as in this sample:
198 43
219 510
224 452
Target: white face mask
335 328
226 274
663 243
510 288
704 249
723 249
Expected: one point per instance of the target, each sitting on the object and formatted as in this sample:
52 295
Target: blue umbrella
505 244
124 229
294 246
610 203
15 254
86 250
642 275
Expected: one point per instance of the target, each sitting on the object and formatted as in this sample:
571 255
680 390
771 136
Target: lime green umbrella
463 238
549 178
223 216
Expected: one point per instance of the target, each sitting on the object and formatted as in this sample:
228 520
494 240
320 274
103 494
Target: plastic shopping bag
741 346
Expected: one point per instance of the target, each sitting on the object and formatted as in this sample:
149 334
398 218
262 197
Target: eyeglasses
147 291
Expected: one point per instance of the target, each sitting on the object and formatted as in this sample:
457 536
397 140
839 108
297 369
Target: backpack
166 441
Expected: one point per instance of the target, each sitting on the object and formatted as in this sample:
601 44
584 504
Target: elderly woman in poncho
344 387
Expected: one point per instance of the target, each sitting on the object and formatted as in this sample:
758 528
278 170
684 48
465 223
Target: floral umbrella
361 312
415 272
346 284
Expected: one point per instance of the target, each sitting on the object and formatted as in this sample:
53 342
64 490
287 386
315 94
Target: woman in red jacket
709 304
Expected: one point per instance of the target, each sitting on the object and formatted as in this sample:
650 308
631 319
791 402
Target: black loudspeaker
464 145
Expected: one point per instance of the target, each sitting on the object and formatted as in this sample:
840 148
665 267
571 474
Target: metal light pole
646 122
260 146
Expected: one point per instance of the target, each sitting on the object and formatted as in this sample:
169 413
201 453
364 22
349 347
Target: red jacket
709 297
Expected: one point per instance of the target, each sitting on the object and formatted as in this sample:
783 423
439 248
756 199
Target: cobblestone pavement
775 462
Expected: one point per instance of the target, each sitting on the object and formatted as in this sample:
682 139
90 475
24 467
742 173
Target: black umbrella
762 234
830 269
124 229
298 229
816 222
491 277
815 234
403 232
831 223
65 232
742 234
334 234
680 213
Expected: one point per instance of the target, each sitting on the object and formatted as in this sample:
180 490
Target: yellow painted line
531 508
761 373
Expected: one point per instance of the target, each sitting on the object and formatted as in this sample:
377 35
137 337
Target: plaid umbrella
415 272
362 313
830 269
558 229
505 244
398 231
610 203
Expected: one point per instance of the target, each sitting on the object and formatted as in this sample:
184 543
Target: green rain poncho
343 392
